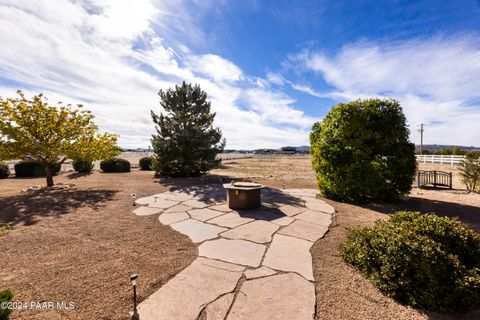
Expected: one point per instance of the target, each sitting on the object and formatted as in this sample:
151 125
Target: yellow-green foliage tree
34 130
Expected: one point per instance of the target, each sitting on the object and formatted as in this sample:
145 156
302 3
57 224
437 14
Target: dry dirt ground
79 244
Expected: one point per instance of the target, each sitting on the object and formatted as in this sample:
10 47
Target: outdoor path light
134 196
133 280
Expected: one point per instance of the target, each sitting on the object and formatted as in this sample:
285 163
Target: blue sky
270 68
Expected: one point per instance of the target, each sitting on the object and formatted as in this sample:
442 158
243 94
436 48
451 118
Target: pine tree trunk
49 175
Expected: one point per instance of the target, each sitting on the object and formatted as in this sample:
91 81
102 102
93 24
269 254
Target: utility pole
421 137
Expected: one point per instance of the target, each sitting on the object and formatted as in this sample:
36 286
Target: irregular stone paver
235 251
320 205
230 220
258 273
204 214
218 309
169 218
290 254
221 207
290 210
284 296
316 217
188 292
304 230
196 230
163 204
178 208
146 211
294 218
257 231
178 196
196 204
283 221
144 201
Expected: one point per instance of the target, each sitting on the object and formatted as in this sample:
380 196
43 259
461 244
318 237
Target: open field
79 244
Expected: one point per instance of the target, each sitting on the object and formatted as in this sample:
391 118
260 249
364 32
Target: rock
283 221
204 214
146 211
319 205
144 201
169 218
196 230
257 231
188 292
221 207
235 251
217 310
304 230
178 208
163 204
291 210
290 254
230 220
258 273
316 217
284 296
196 203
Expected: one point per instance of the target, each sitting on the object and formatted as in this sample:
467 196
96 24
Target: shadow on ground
25 207
210 189
465 213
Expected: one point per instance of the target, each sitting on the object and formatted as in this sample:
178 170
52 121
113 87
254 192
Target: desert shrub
27 169
5 296
145 163
470 171
82 165
115 165
421 260
4 171
360 151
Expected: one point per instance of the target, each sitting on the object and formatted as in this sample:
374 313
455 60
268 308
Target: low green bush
4 171
5 296
145 163
83 166
28 169
421 260
115 165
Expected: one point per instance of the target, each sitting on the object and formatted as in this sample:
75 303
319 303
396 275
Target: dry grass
80 244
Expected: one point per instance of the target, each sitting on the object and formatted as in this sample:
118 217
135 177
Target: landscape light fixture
133 280
134 196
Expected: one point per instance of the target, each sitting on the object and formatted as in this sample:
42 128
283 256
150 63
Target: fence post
441 159
451 180
451 163
434 179
418 178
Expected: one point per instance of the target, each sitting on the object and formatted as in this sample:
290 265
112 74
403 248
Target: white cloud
436 80
113 57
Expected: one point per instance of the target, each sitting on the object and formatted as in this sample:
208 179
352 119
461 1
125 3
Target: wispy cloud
114 56
435 79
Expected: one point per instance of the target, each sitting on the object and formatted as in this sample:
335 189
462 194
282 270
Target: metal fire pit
243 195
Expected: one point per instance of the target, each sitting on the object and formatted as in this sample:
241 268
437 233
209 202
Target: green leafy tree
34 130
186 143
360 151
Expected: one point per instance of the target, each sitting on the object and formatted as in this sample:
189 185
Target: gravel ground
79 244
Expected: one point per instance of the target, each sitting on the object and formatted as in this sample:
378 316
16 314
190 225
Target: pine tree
186 143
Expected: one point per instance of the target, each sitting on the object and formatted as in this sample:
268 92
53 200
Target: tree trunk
49 175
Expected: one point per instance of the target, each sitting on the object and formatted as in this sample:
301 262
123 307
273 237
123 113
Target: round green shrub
419 259
145 163
5 296
115 165
29 169
83 166
4 171
361 152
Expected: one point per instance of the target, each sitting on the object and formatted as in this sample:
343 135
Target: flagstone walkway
252 264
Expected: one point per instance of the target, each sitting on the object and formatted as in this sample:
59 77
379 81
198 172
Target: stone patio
269 248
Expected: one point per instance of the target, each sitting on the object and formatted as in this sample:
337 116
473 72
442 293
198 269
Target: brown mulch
80 244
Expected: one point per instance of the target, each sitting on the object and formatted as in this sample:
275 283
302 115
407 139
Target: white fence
438 158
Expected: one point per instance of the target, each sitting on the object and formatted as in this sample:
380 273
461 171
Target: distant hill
435 147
